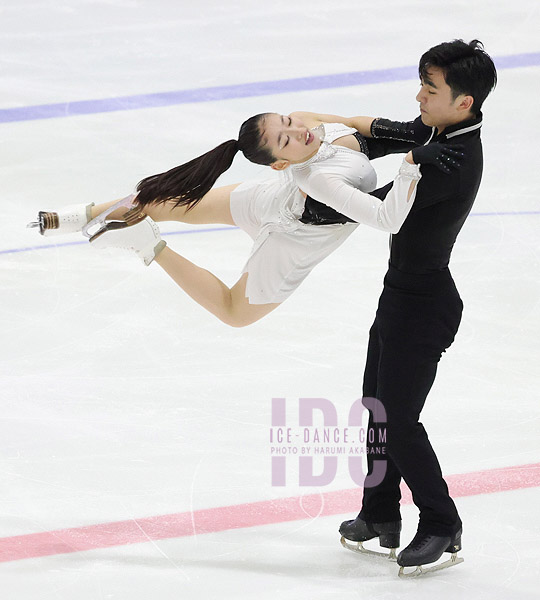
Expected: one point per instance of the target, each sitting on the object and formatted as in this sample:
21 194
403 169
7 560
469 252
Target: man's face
437 107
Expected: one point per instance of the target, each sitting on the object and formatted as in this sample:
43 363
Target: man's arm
376 147
405 131
395 137
382 147
410 132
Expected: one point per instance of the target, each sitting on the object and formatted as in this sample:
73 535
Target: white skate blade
359 548
97 226
421 570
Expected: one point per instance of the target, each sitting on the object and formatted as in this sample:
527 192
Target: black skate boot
360 531
426 548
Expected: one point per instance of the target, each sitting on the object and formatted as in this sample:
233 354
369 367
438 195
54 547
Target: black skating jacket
443 201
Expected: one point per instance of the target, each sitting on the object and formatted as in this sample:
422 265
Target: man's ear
281 164
466 103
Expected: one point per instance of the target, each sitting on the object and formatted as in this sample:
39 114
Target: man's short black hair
467 69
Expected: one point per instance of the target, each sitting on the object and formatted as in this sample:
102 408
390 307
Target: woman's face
289 140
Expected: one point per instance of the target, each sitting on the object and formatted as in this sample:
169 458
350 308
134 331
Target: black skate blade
358 547
420 570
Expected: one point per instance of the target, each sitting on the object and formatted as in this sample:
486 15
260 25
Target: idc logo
309 446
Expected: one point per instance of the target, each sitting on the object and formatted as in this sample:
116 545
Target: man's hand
443 156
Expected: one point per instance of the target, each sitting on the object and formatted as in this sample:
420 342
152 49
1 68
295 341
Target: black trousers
416 321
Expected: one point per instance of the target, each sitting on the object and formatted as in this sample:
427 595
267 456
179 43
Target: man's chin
425 119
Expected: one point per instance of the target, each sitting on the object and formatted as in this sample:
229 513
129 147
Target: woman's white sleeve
388 214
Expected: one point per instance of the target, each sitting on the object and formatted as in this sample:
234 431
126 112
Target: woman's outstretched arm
230 305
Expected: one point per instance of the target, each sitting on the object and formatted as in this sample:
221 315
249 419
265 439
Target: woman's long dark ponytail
188 183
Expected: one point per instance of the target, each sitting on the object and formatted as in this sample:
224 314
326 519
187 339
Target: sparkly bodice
353 167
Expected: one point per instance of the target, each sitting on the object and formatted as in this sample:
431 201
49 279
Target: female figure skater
320 155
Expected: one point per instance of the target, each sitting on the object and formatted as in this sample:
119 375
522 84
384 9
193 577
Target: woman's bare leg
215 207
230 305
117 215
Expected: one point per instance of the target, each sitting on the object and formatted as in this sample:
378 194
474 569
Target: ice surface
122 399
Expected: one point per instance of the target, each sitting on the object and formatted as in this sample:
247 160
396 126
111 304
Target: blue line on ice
229 228
227 92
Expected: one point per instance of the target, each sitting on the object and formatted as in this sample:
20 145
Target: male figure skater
420 309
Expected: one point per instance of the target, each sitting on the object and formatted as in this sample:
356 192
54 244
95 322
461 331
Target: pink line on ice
211 520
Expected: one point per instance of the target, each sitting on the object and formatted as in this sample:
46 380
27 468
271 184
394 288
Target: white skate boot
143 238
67 220
78 217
